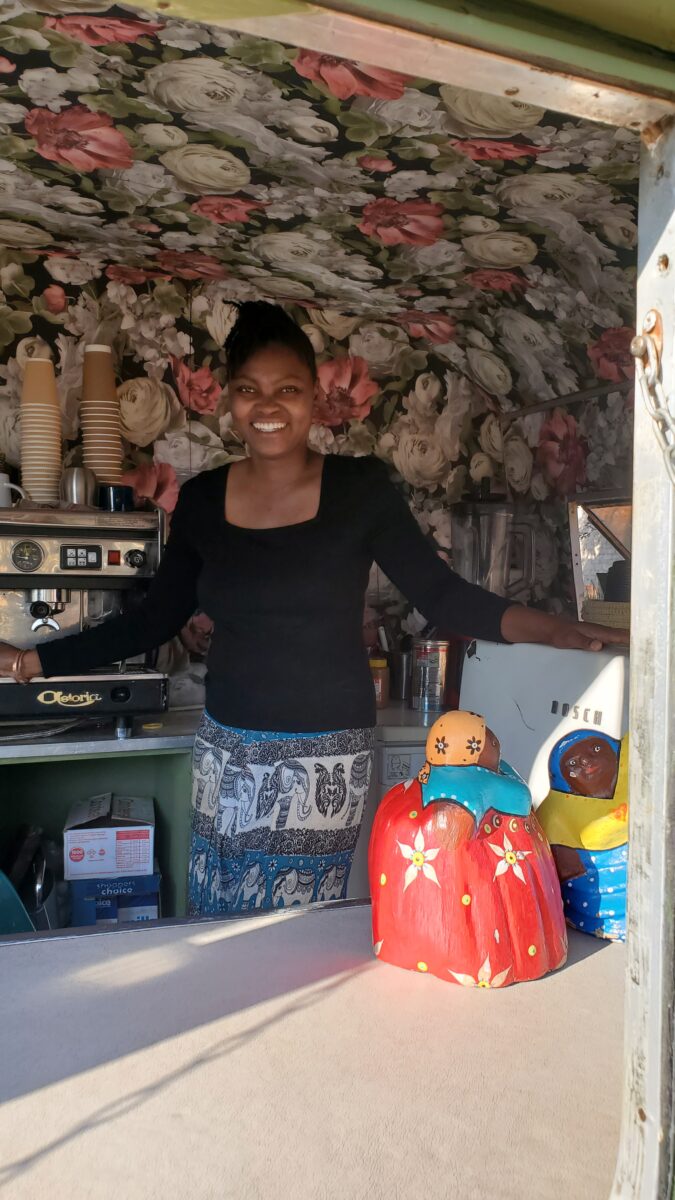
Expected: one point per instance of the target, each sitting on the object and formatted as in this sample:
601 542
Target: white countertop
176 733
275 1057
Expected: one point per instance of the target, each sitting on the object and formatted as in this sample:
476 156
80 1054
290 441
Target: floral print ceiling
456 258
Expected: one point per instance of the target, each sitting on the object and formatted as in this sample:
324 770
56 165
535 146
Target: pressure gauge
27 556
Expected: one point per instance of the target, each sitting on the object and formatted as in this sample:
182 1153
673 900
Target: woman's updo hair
259 325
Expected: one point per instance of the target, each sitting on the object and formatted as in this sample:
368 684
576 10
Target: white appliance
533 695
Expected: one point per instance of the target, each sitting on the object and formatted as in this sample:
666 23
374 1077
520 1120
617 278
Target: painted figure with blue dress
585 817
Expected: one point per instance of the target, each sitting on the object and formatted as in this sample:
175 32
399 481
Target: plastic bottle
380 673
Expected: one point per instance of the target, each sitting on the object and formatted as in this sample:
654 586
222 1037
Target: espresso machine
63 571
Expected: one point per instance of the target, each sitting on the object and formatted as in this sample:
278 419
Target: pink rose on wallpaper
156 482
611 356
433 327
371 162
345 79
562 453
55 298
77 136
481 149
6 67
402 222
199 390
224 209
496 281
191 264
131 275
101 31
345 391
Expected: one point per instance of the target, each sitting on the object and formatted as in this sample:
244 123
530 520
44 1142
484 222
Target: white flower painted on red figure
420 860
484 979
509 859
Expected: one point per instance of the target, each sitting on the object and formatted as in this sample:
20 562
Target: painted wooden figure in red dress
462 878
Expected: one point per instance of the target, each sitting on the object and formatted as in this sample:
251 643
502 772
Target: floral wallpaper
457 259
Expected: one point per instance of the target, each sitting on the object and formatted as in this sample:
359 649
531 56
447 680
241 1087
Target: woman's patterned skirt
275 816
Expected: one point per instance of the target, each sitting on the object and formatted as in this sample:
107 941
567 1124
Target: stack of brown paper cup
100 416
40 432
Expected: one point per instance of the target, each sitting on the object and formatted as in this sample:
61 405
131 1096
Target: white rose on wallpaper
73 270
47 88
301 119
162 137
315 336
321 439
200 167
190 450
288 249
411 114
148 409
20 236
10 432
490 437
11 114
518 463
382 346
476 224
184 35
500 249
333 324
276 285
420 460
619 230
539 488
31 347
550 188
481 467
438 261
476 338
489 371
220 320
428 387
198 84
475 114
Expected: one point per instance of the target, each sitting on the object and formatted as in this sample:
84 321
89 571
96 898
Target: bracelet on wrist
17 668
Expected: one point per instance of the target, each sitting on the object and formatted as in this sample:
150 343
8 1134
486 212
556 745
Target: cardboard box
109 836
115 901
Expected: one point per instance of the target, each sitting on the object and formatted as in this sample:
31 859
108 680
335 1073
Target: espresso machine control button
135 558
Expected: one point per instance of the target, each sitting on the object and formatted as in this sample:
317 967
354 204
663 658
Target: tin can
429 674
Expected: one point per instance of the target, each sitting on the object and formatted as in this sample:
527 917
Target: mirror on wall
601 536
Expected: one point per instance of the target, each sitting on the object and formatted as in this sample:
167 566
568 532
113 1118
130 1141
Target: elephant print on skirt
275 817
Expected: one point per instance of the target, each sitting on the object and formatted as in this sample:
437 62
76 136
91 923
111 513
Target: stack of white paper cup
41 459
100 416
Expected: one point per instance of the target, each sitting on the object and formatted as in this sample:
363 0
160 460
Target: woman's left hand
520 624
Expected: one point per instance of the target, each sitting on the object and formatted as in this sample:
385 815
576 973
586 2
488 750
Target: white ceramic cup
6 489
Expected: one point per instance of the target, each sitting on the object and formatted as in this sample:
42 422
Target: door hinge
646 350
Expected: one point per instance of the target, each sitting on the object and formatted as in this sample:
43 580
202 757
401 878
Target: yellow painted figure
585 817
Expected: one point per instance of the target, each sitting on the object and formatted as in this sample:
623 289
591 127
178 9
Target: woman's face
272 401
591 768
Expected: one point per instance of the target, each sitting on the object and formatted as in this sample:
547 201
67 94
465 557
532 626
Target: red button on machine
114 558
